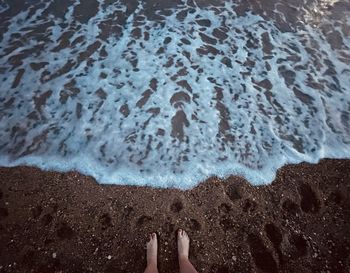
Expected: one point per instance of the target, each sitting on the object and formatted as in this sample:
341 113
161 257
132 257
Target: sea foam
170 97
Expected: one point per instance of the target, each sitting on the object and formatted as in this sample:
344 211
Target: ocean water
168 93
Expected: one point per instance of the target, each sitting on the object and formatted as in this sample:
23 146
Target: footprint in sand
290 207
194 225
335 197
309 202
176 207
105 221
299 245
263 259
127 211
275 236
249 205
226 223
144 219
233 193
224 208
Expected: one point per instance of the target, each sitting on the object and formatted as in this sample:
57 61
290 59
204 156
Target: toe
179 233
154 236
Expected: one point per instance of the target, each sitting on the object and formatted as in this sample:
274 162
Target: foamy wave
167 95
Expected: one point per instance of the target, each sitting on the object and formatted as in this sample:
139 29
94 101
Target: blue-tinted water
168 93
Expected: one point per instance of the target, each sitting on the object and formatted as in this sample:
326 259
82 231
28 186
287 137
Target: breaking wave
168 93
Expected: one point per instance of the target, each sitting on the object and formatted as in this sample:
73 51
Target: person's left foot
152 248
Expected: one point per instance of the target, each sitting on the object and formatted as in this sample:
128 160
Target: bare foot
183 244
152 247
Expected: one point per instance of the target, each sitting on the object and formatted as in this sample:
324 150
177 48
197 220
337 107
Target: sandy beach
66 222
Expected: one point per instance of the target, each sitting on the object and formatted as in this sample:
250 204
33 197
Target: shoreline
67 222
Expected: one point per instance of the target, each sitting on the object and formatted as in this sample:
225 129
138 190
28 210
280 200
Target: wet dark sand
54 222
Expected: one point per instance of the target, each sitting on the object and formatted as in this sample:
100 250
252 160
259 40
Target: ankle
152 263
183 257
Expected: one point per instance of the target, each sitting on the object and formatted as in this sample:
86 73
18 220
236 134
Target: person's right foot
152 248
183 244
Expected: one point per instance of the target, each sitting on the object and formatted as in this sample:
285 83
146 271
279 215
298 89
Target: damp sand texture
54 222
